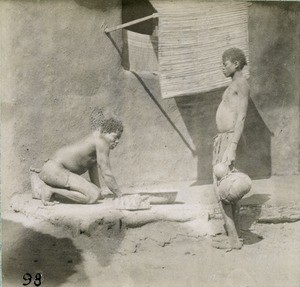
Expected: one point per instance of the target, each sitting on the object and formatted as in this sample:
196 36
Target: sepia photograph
150 143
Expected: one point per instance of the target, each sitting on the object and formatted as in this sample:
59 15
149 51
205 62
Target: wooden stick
154 15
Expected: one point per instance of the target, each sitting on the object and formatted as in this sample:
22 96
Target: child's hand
229 155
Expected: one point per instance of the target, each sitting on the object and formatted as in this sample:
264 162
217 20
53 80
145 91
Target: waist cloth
221 143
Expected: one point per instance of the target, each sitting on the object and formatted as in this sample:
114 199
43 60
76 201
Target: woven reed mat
192 38
139 52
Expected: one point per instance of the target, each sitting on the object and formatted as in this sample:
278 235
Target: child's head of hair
235 54
96 119
112 125
107 124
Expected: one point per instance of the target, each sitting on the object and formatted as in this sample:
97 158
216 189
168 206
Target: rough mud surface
158 254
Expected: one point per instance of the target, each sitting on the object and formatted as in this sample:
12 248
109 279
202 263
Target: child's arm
94 175
104 165
242 106
243 97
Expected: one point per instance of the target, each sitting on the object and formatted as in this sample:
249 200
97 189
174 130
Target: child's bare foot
223 242
46 196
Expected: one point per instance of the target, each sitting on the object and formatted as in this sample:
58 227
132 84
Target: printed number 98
37 280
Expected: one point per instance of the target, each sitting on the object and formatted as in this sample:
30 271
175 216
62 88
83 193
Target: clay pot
220 170
234 186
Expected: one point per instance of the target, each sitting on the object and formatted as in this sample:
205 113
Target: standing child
230 120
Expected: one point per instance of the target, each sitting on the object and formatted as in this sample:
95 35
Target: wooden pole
108 30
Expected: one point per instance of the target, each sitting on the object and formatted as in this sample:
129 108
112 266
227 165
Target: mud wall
57 64
274 30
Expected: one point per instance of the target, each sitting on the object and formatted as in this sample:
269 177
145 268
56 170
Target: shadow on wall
254 150
274 44
136 9
140 41
163 111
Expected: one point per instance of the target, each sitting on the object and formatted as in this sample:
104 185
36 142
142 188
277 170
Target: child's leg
67 184
90 193
230 226
81 191
236 217
49 191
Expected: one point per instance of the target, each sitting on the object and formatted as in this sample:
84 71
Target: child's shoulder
241 84
242 81
99 141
